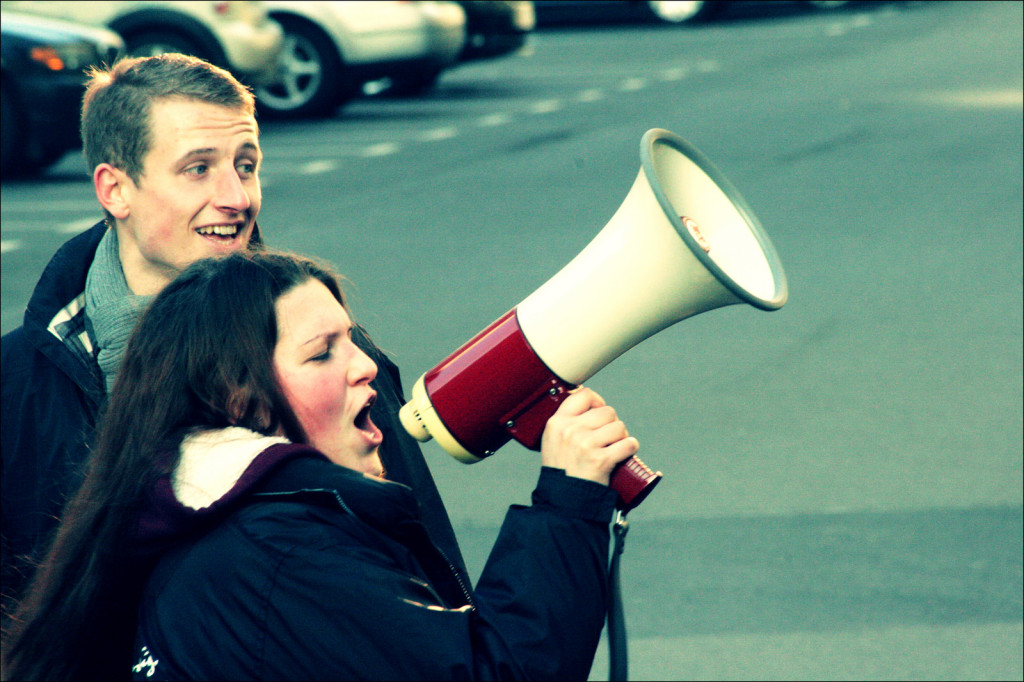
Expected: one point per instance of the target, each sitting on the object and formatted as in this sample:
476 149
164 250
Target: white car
333 48
237 35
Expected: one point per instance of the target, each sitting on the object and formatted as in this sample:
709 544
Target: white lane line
318 166
675 74
437 134
492 120
80 224
382 149
546 106
862 21
633 84
1008 98
31 205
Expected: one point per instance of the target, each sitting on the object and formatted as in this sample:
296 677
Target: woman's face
326 378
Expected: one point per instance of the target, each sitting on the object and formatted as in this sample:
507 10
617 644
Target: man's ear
112 185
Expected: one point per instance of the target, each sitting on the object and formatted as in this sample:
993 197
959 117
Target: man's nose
231 196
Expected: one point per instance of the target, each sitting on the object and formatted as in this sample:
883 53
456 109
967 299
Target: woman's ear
113 189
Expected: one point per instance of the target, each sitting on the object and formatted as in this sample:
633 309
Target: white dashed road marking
382 149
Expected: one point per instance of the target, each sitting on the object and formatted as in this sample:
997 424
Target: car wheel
312 81
669 12
152 43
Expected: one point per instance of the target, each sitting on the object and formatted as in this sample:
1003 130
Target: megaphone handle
632 479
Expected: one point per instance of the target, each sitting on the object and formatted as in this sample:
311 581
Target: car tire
668 12
151 43
313 82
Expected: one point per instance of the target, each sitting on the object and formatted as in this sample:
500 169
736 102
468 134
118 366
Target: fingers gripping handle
631 479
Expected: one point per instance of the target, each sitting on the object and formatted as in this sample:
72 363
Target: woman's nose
362 369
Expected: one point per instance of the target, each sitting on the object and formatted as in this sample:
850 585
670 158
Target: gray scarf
111 307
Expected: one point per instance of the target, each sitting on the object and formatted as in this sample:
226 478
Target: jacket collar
212 463
221 469
55 310
63 279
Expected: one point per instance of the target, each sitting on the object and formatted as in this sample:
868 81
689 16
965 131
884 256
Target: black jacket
311 571
51 398
50 401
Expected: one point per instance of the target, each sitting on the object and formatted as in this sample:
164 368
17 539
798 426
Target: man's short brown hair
118 101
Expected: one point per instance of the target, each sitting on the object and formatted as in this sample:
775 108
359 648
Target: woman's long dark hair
201 356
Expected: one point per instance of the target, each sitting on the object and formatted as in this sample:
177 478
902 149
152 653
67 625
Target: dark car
44 63
496 27
569 11
659 11
493 28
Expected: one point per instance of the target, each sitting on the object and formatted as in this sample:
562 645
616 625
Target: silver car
333 48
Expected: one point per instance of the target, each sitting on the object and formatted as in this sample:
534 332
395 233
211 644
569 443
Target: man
173 145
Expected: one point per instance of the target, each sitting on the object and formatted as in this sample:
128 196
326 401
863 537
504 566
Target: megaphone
682 242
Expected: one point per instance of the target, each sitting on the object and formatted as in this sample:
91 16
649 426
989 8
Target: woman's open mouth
365 424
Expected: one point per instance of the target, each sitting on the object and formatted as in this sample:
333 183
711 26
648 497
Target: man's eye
198 169
247 168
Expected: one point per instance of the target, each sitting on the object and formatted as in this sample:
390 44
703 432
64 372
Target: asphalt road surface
843 478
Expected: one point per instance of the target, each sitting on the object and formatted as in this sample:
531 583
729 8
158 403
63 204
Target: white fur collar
212 462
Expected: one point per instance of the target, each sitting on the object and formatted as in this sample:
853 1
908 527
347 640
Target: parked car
333 48
43 79
495 28
666 12
234 34
660 11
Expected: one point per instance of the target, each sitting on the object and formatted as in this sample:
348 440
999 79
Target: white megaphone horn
682 242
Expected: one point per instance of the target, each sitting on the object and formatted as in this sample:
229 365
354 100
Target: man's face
198 196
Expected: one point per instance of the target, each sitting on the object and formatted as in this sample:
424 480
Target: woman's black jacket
317 572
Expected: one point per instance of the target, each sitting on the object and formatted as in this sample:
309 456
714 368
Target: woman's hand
586 438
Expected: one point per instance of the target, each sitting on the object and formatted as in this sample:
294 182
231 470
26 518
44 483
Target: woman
236 522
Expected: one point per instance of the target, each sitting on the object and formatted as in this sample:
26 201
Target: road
843 478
